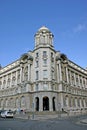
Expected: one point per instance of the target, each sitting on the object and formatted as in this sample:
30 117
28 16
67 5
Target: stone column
40 104
82 83
11 81
78 81
67 75
60 72
58 78
50 104
2 82
6 80
21 74
85 84
16 78
74 78
70 78
84 103
28 72
61 100
76 102
80 103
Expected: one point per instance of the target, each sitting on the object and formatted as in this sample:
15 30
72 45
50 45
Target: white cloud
80 28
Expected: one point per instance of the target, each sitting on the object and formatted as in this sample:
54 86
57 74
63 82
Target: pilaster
41 104
74 78
67 75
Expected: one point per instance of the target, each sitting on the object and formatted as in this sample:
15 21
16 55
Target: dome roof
44 29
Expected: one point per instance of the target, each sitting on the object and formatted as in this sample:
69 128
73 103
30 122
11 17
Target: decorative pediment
26 56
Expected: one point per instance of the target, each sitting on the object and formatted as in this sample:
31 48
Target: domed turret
43 37
43 29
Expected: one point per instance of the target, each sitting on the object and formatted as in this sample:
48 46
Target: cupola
43 37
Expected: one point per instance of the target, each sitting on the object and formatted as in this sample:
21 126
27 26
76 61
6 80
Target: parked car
6 114
1 112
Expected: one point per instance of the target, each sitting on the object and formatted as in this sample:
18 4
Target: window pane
45 61
36 87
37 75
45 86
44 73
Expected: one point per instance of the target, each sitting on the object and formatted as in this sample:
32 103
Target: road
53 124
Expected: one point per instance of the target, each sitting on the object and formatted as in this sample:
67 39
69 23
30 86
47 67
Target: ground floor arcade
43 101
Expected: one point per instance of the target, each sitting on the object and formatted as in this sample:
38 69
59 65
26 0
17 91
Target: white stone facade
43 80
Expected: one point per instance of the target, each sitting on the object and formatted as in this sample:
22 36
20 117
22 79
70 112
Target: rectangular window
52 58
37 63
44 73
37 75
37 55
44 62
52 74
45 87
51 55
37 87
44 54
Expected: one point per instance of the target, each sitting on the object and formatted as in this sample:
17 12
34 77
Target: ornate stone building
43 80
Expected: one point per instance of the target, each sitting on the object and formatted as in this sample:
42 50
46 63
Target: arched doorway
53 100
37 104
45 103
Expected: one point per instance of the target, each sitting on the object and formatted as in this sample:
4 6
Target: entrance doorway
45 103
37 104
53 104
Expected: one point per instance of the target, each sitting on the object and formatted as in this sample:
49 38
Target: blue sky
20 20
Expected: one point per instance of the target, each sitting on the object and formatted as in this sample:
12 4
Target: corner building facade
43 80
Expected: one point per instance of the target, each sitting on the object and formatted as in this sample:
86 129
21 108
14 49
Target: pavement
84 121
45 117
